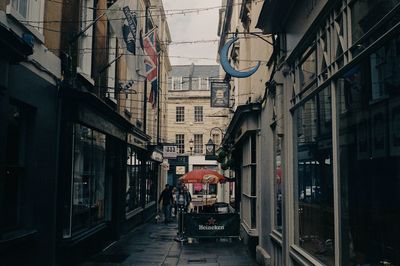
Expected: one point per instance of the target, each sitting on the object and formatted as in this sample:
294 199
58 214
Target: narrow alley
155 244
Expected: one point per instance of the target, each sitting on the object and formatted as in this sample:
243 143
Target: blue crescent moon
228 68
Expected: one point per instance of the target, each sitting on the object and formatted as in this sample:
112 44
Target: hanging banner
211 224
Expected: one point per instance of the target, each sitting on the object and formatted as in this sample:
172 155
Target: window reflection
88 178
133 181
278 184
369 142
315 223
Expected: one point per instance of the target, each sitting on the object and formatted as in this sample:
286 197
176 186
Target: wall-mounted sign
157 156
220 94
180 170
135 141
169 152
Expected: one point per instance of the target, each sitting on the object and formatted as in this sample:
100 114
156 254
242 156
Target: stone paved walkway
154 244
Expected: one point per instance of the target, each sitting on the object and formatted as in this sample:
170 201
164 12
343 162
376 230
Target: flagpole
158 98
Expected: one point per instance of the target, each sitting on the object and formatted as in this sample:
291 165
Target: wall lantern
210 150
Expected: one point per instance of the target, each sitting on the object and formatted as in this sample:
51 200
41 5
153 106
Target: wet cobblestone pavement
154 244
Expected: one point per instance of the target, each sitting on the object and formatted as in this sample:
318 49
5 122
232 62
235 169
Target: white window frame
182 115
34 14
198 114
198 143
85 41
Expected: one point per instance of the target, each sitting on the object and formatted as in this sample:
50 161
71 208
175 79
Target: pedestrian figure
187 197
174 202
166 198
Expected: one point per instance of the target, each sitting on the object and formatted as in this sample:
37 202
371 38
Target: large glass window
198 114
180 114
88 188
249 185
180 142
133 181
369 143
198 143
151 182
12 178
308 68
366 13
278 183
314 192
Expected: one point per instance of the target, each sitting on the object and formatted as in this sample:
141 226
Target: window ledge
85 233
17 18
15 237
133 213
150 204
276 237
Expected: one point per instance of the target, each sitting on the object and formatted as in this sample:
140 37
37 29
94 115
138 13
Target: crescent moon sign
228 68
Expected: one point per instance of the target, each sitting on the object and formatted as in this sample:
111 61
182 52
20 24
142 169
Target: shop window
198 143
151 182
249 185
13 177
366 13
314 191
88 181
133 181
180 143
278 183
198 114
180 114
308 68
369 156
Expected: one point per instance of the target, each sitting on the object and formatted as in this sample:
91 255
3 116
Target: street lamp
191 146
210 150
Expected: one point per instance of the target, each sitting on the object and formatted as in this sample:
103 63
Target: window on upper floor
176 83
180 114
198 114
195 84
204 83
198 143
32 11
85 42
180 142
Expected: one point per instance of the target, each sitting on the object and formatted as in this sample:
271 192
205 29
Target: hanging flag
151 64
149 42
125 23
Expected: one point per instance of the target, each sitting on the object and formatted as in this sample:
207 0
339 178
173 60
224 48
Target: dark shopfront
141 182
92 175
28 157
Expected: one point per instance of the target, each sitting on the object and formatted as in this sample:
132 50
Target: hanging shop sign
170 152
227 66
219 94
180 170
156 156
212 224
136 141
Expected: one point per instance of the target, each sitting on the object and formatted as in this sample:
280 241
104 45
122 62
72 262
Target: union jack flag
149 42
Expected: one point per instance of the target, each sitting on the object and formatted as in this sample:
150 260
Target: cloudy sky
193 26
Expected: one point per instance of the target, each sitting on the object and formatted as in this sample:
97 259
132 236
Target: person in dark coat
167 200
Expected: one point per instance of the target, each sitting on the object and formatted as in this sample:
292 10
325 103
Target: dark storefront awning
273 15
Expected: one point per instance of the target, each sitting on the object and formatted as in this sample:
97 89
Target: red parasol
205 176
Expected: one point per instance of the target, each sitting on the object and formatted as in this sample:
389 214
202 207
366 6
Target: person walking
188 198
167 200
